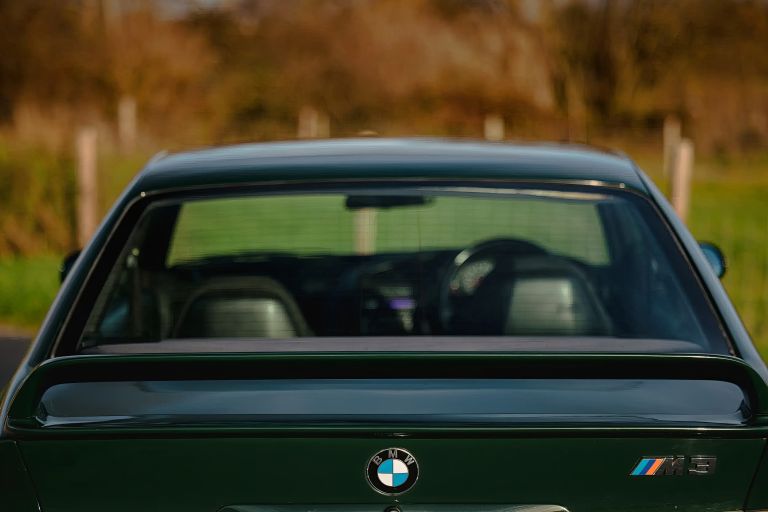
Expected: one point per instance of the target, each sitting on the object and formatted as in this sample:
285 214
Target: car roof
375 159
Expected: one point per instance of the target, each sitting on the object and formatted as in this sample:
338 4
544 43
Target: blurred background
91 89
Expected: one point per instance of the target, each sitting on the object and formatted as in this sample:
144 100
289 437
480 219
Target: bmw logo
392 471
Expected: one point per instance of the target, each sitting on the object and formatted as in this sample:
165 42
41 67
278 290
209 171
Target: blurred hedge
36 201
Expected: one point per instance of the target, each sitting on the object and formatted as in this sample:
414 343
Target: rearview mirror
715 257
67 264
388 201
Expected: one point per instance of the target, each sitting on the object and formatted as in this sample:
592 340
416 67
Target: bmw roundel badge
392 471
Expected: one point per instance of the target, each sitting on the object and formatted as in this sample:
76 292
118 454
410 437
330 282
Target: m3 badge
675 465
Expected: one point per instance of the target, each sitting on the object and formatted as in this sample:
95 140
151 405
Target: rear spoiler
24 411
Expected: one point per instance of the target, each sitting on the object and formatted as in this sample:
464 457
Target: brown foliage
243 69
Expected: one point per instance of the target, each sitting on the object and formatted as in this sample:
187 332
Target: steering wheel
499 251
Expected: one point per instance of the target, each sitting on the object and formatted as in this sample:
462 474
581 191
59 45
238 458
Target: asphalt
13 346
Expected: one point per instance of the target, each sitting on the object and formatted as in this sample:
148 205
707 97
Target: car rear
368 344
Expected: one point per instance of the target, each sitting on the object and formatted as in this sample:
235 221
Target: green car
389 325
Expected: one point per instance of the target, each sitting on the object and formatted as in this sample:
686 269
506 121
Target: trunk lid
299 432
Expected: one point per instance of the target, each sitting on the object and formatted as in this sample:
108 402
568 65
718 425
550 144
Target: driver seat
536 295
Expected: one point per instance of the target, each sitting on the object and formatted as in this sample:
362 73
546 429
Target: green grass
27 288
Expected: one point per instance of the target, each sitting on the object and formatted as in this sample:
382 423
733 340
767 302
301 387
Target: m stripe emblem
648 466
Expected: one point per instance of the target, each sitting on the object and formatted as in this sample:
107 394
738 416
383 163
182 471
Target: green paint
203 475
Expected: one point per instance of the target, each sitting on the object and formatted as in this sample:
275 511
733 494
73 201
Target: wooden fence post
494 127
672 130
87 185
313 124
126 123
682 173
365 231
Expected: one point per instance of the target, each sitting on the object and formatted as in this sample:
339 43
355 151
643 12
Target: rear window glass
406 262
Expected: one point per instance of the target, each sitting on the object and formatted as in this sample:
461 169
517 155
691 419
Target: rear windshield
397 264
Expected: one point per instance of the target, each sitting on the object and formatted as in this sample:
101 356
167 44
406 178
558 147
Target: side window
654 303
